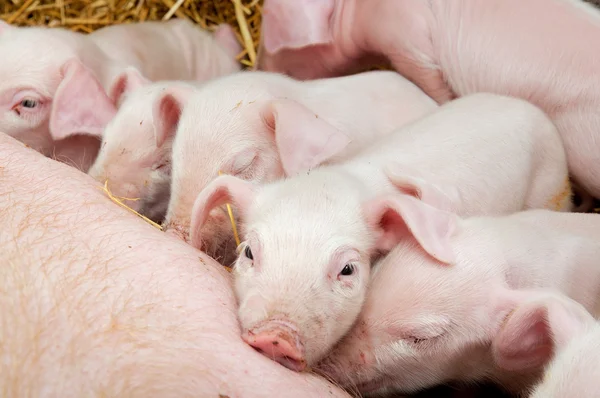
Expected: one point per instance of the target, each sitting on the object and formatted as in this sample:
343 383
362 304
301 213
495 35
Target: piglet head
135 155
302 269
27 84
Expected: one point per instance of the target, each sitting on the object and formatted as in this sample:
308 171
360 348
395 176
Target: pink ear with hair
80 104
414 183
293 24
538 325
224 189
128 80
303 139
394 217
226 38
167 110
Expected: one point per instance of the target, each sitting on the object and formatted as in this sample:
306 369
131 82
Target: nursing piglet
559 327
456 47
429 320
308 240
239 124
135 154
61 88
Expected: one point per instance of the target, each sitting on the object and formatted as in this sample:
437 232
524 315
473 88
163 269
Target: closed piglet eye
415 340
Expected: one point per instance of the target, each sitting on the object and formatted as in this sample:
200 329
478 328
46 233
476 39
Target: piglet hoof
278 342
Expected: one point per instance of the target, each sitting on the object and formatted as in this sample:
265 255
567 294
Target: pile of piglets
400 229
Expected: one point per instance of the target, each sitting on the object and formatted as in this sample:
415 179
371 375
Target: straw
88 15
119 200
233 226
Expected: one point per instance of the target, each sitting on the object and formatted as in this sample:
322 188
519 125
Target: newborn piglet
304 264
428 321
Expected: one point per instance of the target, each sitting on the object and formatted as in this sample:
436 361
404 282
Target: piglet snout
278 341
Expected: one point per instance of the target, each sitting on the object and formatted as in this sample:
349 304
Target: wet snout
280 341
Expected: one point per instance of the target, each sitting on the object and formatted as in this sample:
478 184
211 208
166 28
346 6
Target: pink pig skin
303 267
455 47
61 85
239 123
426 322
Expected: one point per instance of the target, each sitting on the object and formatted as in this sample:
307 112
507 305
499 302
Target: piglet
559 328
238 124
429 320
61 88
452 48
135 155
304 262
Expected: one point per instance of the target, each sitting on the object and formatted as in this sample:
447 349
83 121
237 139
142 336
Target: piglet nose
278 343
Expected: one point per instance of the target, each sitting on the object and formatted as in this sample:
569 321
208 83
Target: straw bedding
89 15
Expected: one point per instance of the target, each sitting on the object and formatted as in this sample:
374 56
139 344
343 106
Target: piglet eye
248 253
348 270
29 103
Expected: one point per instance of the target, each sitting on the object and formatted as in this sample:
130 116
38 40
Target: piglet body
60 85
453 48
308 240
171 50
239 124
427 322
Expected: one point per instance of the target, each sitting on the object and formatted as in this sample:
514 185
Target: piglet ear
167 110
538 325
296 24
128 80
80 104
395 216
303 139
414 183
224 189
226 38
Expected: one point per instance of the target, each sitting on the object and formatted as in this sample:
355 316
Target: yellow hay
233 226
119 200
